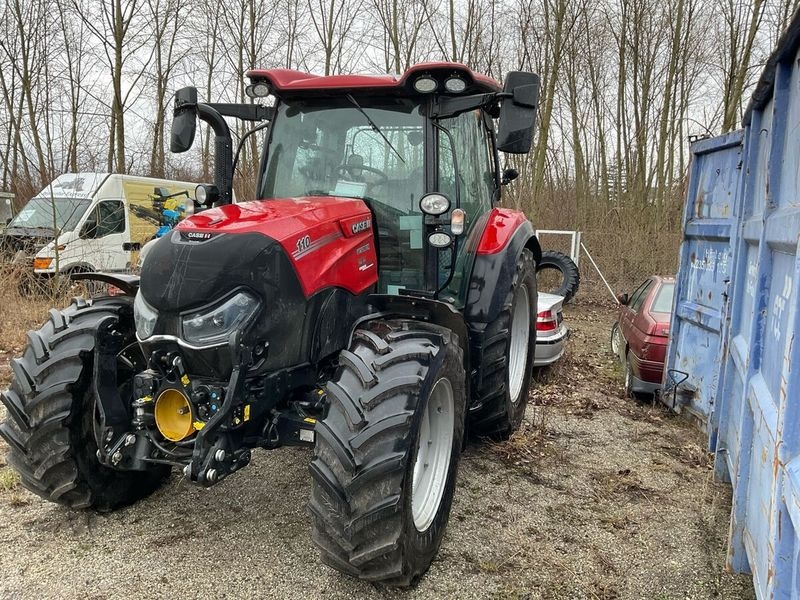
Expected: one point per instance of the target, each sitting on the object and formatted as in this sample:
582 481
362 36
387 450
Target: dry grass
24 302
9 480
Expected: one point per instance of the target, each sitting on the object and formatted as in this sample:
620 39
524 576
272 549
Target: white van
100 221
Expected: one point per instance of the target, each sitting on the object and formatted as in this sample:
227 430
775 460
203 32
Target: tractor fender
506 233
129 284
383 306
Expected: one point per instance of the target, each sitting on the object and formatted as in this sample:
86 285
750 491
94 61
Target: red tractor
372 302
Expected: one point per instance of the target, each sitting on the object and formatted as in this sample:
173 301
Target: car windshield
351 147
40 213
663 300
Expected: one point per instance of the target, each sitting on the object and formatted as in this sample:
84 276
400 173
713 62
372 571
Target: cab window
473 159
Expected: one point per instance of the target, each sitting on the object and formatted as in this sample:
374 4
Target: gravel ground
597 497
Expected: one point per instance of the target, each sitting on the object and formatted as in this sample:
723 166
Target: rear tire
50 428
374 517
628 369
501 391
569 272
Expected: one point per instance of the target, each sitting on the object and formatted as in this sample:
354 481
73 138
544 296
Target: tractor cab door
467 176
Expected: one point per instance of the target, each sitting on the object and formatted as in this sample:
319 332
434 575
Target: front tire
505 354
387 453
51 407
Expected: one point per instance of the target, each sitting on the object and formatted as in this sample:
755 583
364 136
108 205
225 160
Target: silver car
551 333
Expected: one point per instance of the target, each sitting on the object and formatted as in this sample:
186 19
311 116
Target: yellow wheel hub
174 415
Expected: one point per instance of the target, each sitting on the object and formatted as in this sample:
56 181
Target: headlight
434 204
214 326
144 316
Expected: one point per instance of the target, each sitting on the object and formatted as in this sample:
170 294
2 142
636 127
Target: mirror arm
223 151
244 112
450 106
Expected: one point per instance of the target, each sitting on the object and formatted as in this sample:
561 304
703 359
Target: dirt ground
597 497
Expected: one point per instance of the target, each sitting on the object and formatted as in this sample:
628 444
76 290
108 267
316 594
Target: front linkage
206 427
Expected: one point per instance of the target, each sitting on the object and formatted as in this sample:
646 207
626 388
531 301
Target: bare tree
111 25
741 24
333 22
166 17
28 59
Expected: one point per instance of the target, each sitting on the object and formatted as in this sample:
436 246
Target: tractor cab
419 149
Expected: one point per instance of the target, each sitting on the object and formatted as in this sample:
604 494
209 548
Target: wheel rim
615 340
518 350
433 455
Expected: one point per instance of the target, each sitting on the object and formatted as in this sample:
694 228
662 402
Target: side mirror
184 120
623 299
509 175
518 112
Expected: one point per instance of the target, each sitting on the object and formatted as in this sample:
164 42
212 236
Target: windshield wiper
375 128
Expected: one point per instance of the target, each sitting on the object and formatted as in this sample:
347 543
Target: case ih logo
360 226
198 236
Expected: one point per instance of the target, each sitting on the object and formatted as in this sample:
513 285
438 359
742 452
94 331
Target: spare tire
570 276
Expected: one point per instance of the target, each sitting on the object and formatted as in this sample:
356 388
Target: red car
641 333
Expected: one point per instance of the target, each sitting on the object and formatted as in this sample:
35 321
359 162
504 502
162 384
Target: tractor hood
319 242
304 259
329 240
284 220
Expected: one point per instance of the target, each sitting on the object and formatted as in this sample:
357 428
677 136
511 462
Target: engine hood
29 240
309 261
329 240
282 219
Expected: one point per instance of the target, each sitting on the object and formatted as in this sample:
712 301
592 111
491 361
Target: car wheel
628 377
616 339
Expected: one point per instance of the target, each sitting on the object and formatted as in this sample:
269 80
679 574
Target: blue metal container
737 316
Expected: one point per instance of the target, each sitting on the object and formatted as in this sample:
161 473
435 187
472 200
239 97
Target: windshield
38 213
358 148
663 299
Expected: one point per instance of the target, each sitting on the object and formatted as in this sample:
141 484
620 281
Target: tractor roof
286 82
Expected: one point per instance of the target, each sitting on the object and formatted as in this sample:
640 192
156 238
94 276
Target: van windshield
38 213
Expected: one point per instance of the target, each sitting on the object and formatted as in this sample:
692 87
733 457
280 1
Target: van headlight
214 326
144 316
